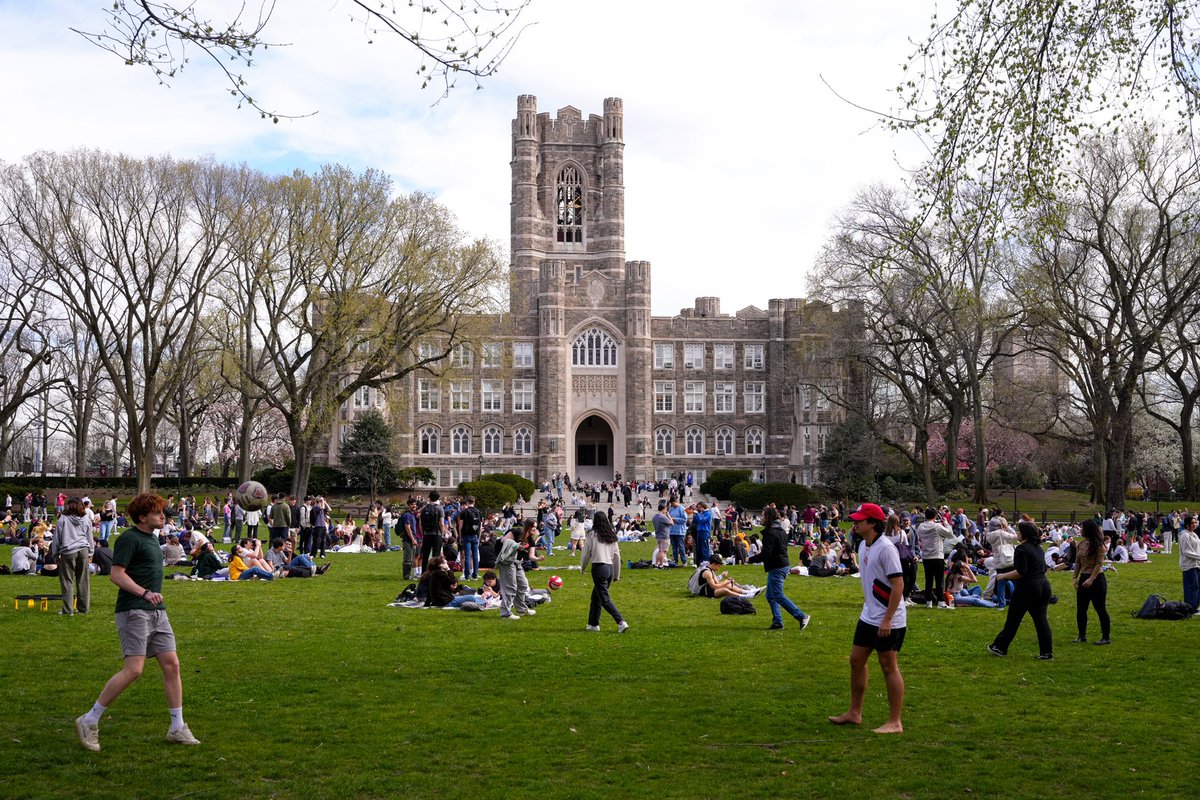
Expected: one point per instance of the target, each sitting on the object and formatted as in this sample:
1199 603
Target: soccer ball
252 495
555 582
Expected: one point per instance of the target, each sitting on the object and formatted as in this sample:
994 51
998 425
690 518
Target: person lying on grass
488 595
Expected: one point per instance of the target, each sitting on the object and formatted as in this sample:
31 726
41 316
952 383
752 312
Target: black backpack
472 521
431 518
736 605
1159 607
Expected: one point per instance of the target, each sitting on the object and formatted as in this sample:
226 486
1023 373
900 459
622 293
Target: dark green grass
313 689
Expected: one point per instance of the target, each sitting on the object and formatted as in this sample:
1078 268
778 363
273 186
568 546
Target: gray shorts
663 545
145 633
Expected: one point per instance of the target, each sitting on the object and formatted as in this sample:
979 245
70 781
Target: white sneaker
929 605
593 627
945 606
530 613
89 735
909 603
510 616
182 736
622 627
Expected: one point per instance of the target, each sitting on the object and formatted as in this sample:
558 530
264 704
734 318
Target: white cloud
737 155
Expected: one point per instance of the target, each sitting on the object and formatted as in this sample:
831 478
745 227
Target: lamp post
481 465
1157 491
764 469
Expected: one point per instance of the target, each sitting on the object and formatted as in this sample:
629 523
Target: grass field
314 689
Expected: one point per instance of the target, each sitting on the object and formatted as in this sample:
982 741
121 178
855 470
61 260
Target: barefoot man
882 623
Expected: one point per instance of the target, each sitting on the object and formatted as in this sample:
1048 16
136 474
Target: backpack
736 605
696 583
1149 609
431 518
472 520
409 593
1175 609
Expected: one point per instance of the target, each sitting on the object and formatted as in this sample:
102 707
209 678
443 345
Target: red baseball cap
868 511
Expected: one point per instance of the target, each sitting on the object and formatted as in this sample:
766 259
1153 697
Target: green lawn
314 689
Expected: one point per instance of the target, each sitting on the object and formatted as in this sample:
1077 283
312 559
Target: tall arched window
460 441
491 441
695 441
429 441
754 442
664 442
594 348
522 442
570 205
724 441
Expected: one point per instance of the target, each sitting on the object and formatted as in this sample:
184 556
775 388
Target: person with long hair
1091 587
601 551
73 548
1031 595
899 536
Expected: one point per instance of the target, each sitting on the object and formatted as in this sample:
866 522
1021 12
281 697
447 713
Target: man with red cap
882 623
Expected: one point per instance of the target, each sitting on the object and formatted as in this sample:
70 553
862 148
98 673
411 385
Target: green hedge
489 495
760 495
721 481
525 487
321 479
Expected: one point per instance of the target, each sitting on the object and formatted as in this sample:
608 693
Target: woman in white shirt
1137 551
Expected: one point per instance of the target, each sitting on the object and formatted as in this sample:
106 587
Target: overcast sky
737 155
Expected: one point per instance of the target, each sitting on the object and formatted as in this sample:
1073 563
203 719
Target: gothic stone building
581 378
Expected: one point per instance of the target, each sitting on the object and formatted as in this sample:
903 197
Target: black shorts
867 635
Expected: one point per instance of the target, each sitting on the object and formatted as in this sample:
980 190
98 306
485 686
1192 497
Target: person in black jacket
775 562
1032 594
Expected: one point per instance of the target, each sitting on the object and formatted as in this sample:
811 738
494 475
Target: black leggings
1096 595
1032 599
910 577
935 576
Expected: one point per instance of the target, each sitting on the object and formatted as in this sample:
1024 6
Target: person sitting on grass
716 586
964 587
441 586
24 559
173 553
1138 552
243 566
207 563
488 593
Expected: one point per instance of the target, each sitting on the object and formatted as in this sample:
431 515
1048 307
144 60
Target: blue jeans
776 598
1191 587
1004 592
548 534
703 548
966 597
256 571
106 529
678 548
301 560
465 598
470 556
387 535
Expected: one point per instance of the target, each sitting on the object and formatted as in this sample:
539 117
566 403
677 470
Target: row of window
596 348
695 442
491 441
491 395
724 355
491 354
754 397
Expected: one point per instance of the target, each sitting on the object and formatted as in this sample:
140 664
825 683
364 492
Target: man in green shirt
142 623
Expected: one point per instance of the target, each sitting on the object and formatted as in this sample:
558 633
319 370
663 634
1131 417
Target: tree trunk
952 428
303 464
1099 459
981 460
185 443
244 438
1185 443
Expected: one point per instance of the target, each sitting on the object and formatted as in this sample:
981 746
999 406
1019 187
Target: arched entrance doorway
594 449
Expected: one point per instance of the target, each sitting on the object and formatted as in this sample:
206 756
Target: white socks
176 718
93 717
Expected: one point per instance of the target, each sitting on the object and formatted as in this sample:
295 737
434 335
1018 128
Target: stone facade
581 378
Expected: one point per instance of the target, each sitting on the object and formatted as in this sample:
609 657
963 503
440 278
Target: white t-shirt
877 565
1050 554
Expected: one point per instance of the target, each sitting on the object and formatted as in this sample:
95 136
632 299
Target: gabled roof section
751 312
